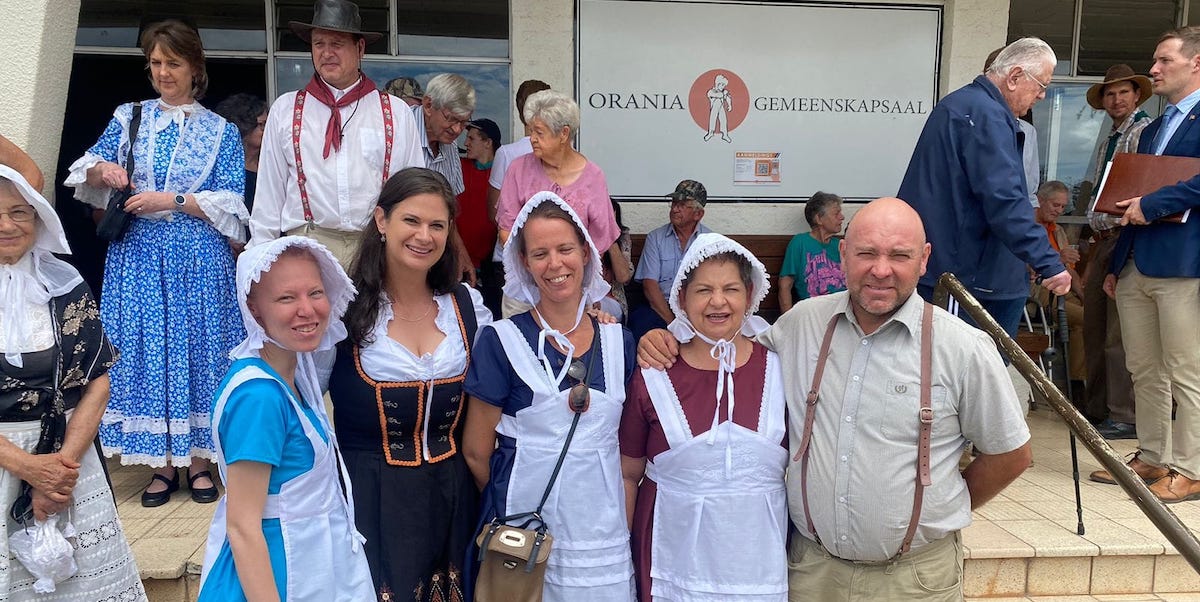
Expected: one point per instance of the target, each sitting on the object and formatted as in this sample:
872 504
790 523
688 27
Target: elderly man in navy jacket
967 182
1155 278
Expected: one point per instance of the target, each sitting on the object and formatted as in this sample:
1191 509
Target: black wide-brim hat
334 15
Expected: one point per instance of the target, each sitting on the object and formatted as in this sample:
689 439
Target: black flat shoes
158 498
206 495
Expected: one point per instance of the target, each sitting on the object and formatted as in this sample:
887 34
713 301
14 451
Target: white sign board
671 90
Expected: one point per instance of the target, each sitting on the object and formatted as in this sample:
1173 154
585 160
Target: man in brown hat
327 149
1109 390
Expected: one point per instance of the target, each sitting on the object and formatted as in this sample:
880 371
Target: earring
382 237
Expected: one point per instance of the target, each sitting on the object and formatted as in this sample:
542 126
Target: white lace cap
519 284
50 234
705 246
257 260
38 279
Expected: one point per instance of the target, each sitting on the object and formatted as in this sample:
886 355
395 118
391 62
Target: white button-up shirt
343 188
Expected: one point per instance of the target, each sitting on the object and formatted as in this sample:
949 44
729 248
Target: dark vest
402 420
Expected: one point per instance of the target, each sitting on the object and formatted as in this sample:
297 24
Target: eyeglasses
455 121
21 214
1035 80
684 204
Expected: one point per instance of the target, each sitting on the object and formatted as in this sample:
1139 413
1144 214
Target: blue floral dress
168 299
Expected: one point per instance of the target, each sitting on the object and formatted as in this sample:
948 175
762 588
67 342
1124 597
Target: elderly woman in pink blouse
553 121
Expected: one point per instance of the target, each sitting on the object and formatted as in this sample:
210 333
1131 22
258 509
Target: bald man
851 491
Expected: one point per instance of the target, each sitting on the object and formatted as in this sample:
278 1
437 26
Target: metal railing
1175 531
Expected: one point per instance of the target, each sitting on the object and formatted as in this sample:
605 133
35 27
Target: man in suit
1155 278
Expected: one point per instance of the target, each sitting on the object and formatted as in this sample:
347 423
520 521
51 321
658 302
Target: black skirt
418 522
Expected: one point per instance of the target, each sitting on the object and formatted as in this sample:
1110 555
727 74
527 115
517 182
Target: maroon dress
641 436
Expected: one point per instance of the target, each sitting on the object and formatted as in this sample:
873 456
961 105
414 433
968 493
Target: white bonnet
519 284
705 246
257 260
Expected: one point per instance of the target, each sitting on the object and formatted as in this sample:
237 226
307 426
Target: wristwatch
180 201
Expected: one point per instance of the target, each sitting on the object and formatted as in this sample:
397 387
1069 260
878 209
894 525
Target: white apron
590 559
325 557
720 517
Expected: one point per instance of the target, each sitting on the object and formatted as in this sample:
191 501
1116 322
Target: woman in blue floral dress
168 298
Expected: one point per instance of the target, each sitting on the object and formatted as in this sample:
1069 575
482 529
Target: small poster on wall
752 169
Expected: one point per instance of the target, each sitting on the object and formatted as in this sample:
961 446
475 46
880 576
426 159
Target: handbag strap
587 379
135 123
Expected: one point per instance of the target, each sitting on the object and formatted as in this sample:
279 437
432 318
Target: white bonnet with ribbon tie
705 246
519 284
37 277
257 260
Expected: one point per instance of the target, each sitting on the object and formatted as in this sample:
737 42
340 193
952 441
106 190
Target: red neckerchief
333 130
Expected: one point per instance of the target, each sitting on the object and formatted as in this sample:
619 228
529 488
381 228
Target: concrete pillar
971 30
37 40
542 34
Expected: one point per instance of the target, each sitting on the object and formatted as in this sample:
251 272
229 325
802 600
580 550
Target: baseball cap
405 87
690 189
488 128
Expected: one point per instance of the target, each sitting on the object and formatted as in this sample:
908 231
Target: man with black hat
663 250
1109 389
328 149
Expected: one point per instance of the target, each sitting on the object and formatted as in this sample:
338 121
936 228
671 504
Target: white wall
37 40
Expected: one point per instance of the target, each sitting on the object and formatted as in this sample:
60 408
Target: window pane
374 15
223 24
1050 20
1068 133
1112 31
490 80
452 27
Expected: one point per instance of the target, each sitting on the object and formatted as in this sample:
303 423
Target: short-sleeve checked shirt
863 456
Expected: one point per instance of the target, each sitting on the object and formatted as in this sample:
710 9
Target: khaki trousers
1109 388
932 573
342 243
1160 324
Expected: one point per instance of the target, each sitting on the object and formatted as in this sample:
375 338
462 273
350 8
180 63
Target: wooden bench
768 248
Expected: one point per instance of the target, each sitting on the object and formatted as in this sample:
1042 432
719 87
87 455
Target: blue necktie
1161 139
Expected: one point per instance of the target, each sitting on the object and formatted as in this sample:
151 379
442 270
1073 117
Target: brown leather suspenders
926 417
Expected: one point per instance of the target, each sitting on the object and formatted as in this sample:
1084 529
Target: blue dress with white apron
720 512
590 559
316 554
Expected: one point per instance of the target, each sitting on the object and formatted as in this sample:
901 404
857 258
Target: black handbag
116 220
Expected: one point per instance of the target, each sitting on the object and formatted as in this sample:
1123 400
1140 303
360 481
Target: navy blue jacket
1165 249
967 182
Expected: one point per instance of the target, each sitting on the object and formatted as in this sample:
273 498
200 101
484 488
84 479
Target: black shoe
1117 430
153 500
206 495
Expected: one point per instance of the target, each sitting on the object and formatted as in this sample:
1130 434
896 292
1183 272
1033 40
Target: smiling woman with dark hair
397 392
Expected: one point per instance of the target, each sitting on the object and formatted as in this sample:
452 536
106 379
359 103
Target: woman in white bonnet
712 448
285 528
520 379
53 390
